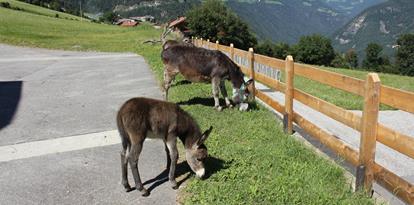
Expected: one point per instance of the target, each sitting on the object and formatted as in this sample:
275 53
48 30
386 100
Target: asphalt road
57 138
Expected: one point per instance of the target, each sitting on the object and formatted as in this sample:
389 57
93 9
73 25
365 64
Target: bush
314 49
351 58
213 20
265 48
5 4
339 61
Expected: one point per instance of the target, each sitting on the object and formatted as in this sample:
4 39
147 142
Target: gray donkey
139 118
203 65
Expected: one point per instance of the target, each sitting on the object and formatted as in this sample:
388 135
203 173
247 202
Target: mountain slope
381 24
287 20
351 7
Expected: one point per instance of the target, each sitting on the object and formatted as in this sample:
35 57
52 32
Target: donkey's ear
250 81
204 136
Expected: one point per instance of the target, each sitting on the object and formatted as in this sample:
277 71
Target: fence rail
371 131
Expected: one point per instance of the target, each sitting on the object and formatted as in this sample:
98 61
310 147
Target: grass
348 100
253 161
40 10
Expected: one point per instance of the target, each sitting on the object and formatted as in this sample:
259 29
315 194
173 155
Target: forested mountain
381 24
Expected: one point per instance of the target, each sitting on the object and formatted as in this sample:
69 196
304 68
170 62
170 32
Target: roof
178 21
129 23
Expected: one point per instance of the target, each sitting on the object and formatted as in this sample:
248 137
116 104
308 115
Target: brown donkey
139 118
203 65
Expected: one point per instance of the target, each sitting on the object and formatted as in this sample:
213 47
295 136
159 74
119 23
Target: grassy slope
40 10
255 162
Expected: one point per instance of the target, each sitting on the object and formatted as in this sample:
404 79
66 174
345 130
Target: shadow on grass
210 103
182 82
212 164
201 101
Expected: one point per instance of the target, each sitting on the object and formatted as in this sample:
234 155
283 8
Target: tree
108 17
339 61
265 48
373 59
213 20
405 54
351 58
314 49
281 50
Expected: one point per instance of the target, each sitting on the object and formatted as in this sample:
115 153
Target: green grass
345 99
40 10
254 161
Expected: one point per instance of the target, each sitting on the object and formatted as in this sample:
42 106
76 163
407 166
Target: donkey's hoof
128 188
219 108
144 192
174 184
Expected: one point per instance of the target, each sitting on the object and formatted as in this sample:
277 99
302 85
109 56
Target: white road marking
67 58
58 145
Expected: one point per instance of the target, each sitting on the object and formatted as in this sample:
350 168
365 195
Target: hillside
18 5
276 20
351 8
381 24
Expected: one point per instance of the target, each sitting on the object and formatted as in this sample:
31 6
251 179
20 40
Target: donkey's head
196 154
244 92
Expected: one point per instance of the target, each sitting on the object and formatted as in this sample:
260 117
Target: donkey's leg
168 157
224 93
169 76
124 168
215 83
133 157
172 148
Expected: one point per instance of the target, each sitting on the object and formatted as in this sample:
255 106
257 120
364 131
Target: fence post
232 52
201 42
288 115
251 65
217 45
208 43
369 131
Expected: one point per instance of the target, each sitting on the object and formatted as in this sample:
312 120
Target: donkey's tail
126 144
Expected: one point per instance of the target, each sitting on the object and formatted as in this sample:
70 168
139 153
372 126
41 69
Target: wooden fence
371 131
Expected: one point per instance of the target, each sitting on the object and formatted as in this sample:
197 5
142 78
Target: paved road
49 102
394 161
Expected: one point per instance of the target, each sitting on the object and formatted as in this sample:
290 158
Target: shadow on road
212 164
10 94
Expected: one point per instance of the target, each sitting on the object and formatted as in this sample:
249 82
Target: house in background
127 22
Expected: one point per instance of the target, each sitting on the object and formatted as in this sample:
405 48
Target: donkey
203 65
139 118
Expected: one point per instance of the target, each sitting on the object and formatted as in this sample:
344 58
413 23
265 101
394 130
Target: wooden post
217 45
251 64
196 41
288 115
208 43
232 51
201 42
369 129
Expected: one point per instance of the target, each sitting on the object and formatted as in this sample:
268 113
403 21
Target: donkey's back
146 117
